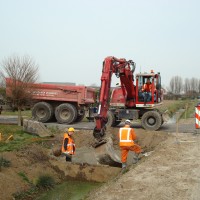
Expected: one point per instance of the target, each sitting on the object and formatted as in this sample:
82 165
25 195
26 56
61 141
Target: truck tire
151 120
66 113
42 111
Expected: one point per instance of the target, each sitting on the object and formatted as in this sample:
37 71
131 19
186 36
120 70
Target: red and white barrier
197 116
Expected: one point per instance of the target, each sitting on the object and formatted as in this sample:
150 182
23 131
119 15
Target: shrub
4 162
45 182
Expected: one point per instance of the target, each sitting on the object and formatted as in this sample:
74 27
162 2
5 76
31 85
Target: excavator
125 102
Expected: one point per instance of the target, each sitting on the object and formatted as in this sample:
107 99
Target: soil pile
170 172
37 159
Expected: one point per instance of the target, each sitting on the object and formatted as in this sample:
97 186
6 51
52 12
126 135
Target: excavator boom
122 70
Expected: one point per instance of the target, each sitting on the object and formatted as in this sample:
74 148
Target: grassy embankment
174 106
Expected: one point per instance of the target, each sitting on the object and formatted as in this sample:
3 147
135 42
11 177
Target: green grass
70 190
25 113
20 138
24 177
176 105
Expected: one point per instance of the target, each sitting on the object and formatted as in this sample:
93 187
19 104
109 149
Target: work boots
123 165
124 169
137 157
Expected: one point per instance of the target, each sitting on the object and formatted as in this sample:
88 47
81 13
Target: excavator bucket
106 155
165 116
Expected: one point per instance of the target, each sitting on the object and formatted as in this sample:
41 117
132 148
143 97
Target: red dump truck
66 103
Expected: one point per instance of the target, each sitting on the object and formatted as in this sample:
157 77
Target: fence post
177 123
186 107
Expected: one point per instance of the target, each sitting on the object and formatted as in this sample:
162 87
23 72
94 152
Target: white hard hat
127 121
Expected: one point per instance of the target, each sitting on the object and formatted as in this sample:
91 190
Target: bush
4 162
45 182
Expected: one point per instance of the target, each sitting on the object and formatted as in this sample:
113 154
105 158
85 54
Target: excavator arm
122 70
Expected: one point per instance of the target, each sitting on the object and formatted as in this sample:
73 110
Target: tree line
188 86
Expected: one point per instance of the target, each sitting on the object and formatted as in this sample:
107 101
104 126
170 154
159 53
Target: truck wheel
42 111
66 113
80 117
151 120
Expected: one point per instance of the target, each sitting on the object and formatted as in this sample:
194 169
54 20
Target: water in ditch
70 190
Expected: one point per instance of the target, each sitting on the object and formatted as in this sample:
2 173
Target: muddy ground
170 172
38 159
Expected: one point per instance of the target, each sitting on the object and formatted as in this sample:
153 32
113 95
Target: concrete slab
35 128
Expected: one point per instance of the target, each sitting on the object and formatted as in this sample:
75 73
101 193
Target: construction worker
146 89
68 146
126 142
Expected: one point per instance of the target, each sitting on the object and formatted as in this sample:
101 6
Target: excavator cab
155 94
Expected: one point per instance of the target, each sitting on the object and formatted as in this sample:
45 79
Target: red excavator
127 101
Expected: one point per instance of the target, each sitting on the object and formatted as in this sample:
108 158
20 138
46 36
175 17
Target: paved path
184 126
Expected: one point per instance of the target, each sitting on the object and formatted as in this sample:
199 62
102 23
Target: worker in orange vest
68 145
126 142
146 89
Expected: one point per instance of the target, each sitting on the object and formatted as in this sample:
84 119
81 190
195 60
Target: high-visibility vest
147 87
125 137
70 145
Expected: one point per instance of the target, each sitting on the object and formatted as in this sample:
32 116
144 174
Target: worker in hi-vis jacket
68 145
126 142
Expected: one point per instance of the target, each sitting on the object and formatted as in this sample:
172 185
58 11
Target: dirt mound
27 165
148 140
170 172
35 160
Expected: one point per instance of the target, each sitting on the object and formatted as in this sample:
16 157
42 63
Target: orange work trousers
125 149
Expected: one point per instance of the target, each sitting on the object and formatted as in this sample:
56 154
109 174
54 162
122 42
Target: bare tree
19 73
176 85
187 86
194 85
172 85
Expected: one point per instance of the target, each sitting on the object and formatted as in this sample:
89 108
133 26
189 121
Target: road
184 126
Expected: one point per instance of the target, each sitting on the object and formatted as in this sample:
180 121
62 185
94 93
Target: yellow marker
10 138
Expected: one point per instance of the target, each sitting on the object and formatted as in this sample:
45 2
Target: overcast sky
70 39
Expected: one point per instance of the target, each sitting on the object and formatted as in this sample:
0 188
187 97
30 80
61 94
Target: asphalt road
183 127
170 127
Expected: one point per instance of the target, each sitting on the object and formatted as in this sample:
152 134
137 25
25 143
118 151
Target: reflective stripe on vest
127 140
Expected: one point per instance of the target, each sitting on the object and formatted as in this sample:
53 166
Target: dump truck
66 103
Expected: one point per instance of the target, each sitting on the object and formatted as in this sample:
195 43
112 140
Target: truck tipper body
66 103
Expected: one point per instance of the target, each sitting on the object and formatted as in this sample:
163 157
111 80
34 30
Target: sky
70 39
